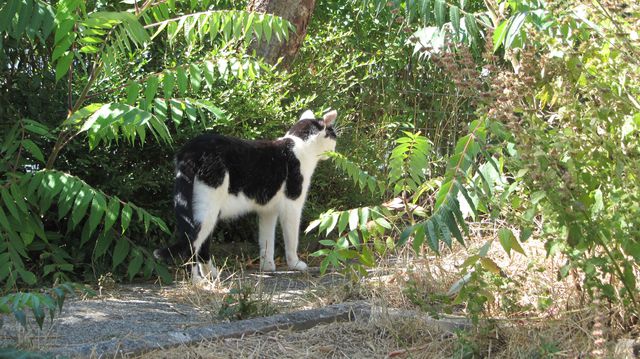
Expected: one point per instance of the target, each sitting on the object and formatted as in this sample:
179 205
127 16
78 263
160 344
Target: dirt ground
139 311
399 293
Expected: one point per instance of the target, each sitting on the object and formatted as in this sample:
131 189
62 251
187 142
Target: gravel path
143 316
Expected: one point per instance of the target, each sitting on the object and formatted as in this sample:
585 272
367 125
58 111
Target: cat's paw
204 274
268 266
298 265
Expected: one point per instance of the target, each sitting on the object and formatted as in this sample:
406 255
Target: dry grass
404 338
532 314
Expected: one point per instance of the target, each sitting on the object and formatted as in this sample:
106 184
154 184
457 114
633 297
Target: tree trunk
298 12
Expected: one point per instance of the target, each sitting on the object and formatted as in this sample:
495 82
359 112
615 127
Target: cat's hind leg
206 210
202 269
290 223
267 233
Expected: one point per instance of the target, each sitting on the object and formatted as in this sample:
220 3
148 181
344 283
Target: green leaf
195 76
383 223
89 49
439 12
432 238
629 277
499 34
327 242
418 238
168 82
404 236
509 241
364 216
9 202
353 219
333 220
505 236
125 217
451 223
151 88
102 244
98 207
472 28
468 199
268 29
183 81
7 13
38 312
513 30
313 224
67 196
454 16
20 316
525 233
446 234
62 65
113 211
515 245
36 127
120 252
28 277
77 117
343 221
80 205
354 238
18 197
24 18
133 88
208 71
135 264
33 149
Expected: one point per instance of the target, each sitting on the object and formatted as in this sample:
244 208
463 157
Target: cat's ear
307 115
329 117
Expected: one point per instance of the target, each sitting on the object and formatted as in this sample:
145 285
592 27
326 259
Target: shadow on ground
146 314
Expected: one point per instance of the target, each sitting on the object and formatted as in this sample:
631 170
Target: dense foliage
55 221
523 114
552 150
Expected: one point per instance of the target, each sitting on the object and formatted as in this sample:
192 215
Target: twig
399 352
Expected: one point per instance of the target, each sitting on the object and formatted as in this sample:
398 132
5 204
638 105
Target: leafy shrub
39 303
118 86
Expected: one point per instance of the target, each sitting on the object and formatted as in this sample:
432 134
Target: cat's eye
330 132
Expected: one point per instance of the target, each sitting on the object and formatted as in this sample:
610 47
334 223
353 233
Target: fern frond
443 225
108 122
463 174
408 163
30 18
24 202
360 178
229 24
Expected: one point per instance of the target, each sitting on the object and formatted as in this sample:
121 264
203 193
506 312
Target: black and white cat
220 178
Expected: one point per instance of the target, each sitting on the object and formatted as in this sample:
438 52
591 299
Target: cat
219 178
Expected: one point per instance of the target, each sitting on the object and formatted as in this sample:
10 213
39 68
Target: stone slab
300 320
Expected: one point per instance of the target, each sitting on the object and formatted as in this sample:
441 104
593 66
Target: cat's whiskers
339 129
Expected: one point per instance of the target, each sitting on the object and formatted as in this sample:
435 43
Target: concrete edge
300 320
446 323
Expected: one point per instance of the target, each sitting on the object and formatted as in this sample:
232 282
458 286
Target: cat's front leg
266 236
290 223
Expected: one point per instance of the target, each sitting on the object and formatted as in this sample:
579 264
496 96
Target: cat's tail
183 207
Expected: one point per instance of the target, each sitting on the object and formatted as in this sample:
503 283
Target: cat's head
317 134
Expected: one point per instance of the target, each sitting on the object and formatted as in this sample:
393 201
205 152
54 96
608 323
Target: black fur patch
256 168
306 128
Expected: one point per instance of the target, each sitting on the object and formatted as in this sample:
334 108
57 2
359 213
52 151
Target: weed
239 304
